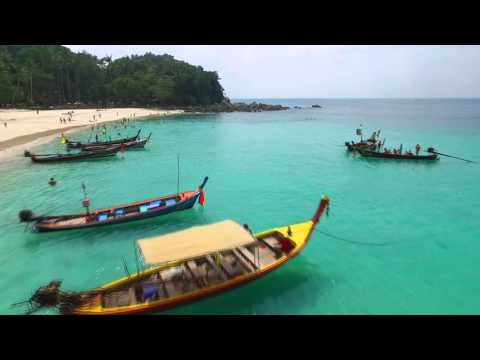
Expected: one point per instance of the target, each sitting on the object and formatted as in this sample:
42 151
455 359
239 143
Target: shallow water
269 169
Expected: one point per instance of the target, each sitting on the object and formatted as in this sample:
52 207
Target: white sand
26 128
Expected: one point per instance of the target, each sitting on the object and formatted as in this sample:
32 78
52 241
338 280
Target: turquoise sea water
270 169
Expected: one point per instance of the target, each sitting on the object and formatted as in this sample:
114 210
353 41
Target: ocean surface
401 238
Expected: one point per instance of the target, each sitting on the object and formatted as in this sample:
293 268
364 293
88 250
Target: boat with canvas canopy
186 266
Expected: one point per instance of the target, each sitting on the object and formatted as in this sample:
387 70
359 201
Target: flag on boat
201 199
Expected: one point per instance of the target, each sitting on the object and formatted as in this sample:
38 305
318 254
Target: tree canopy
46 75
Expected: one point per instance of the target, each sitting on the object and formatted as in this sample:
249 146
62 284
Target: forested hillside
50 75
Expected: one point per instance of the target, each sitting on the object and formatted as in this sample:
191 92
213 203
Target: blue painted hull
183 205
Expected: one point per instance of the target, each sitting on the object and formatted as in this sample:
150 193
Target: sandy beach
26 128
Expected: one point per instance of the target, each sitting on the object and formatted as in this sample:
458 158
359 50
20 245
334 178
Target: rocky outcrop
234 107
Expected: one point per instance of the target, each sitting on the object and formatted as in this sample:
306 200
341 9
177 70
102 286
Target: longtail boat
135 144
83 155
186 266
396 156
78 144
134 211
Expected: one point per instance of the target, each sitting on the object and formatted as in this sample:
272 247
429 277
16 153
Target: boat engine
47 295
27 153
26 215
430 150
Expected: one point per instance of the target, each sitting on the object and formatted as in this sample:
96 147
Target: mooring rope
352 241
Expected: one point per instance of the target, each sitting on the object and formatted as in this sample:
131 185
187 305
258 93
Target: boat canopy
194 242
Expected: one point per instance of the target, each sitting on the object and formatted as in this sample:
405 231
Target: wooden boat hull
134 211
88 155
184 205
136 144
379 155
298 234
79 145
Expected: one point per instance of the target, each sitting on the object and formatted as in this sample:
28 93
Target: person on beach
96 137
52 182
5 124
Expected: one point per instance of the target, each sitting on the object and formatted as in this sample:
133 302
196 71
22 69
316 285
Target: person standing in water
417 149
52 182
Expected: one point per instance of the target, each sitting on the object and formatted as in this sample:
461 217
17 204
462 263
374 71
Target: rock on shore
234 107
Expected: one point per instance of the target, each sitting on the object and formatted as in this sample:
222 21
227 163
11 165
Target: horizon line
360 98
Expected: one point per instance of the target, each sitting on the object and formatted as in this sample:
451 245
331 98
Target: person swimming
52 182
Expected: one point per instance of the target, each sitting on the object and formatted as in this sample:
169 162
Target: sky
326 71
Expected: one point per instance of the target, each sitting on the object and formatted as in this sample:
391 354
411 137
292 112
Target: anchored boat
135 144
186 266
78 144
134 211
396 156
83 155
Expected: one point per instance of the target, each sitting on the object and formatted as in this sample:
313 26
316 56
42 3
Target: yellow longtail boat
186 266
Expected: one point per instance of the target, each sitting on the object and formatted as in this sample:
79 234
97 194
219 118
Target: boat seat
164 288
170 289
102 217
247 254
154 204
194 277
189 282
118 212
229 269
246 265
218 269
131 296
278 252
271 240
197 272
170 202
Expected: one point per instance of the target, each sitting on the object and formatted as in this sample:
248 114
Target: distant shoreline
26 128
